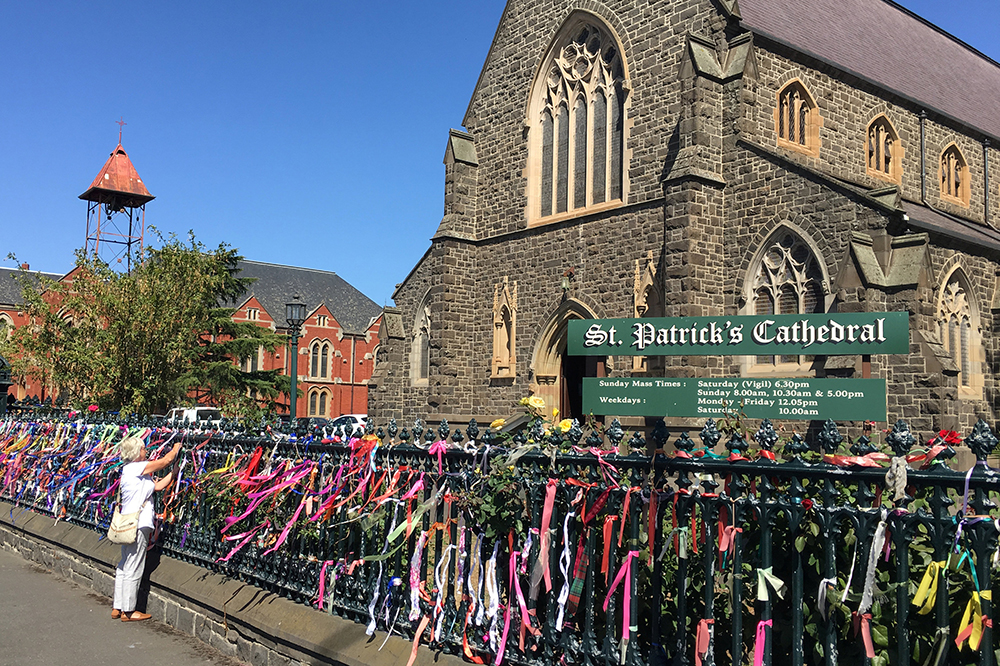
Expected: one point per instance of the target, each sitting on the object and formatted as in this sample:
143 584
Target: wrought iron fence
550 547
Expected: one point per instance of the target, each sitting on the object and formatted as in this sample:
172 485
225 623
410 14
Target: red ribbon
862 623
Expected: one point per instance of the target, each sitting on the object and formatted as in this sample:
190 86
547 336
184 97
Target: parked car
193 415
349 422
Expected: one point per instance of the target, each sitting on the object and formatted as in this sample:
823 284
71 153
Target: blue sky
302 133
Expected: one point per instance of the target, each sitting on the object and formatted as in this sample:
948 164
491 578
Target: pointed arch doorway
558 377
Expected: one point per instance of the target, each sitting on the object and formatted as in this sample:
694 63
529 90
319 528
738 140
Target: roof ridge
18 270
942 31
297 268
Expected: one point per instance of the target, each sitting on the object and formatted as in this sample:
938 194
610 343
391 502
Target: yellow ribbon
972 624
927 592
766 577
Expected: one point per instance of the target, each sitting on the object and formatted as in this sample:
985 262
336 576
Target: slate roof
884 43
276 285
10 290
923 218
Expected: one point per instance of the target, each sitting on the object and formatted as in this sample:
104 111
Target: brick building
338 341
708 157
336 349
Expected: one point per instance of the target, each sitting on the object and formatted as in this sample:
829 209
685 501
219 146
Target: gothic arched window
324 361
787 279
884 151
953 175
577 115
797 120
959 332
420 346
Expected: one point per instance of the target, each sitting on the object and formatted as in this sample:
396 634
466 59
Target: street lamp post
295 315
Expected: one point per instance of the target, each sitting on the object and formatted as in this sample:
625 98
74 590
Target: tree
146 340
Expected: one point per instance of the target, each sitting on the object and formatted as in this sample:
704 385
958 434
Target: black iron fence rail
731 557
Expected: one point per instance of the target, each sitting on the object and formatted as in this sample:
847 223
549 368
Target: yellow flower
499 423
555 413
536 403
565 425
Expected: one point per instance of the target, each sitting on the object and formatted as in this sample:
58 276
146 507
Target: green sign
756 335
759 398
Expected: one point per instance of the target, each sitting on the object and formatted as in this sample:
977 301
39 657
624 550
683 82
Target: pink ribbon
246 536
727 541
703 639
322 583
541 571
438 448
284 532
417 487
759 641
624 573
510 603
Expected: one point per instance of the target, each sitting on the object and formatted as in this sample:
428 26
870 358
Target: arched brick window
319 356
796 119
577 118
953 174
884 152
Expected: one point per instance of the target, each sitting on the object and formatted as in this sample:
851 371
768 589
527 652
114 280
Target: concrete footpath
49 621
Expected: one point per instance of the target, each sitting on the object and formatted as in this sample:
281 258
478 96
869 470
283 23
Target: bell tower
116 211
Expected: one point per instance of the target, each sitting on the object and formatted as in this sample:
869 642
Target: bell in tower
116 211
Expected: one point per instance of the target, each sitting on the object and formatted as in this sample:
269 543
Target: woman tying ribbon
137 487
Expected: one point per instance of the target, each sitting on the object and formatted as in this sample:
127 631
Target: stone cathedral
708 157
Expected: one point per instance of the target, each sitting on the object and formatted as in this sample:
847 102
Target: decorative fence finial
829 437
982 441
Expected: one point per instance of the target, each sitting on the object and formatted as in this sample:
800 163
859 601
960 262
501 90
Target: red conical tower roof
118 183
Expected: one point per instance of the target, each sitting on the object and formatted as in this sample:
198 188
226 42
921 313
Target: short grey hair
130 448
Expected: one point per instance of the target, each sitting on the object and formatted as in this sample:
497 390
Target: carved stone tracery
504 327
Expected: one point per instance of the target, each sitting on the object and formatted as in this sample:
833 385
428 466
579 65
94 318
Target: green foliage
144 341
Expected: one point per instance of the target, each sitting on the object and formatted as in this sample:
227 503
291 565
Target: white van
194 415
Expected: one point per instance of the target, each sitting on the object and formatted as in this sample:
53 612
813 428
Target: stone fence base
238 619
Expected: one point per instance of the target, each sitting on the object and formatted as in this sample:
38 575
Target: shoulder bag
123 527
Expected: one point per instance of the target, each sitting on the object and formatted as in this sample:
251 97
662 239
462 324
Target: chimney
25 267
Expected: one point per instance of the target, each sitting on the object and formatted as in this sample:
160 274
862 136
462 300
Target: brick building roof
879 41
276 285
10 289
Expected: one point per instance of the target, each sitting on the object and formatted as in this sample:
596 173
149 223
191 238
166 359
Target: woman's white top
137 492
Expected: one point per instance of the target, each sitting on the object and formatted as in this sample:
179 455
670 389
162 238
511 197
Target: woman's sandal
115 613
135 617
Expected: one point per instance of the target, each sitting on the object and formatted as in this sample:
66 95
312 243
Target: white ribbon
565 560
895 478
824 588
493 598
418 554
475 593
378 582
878 543
850 576
765 578
440 582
